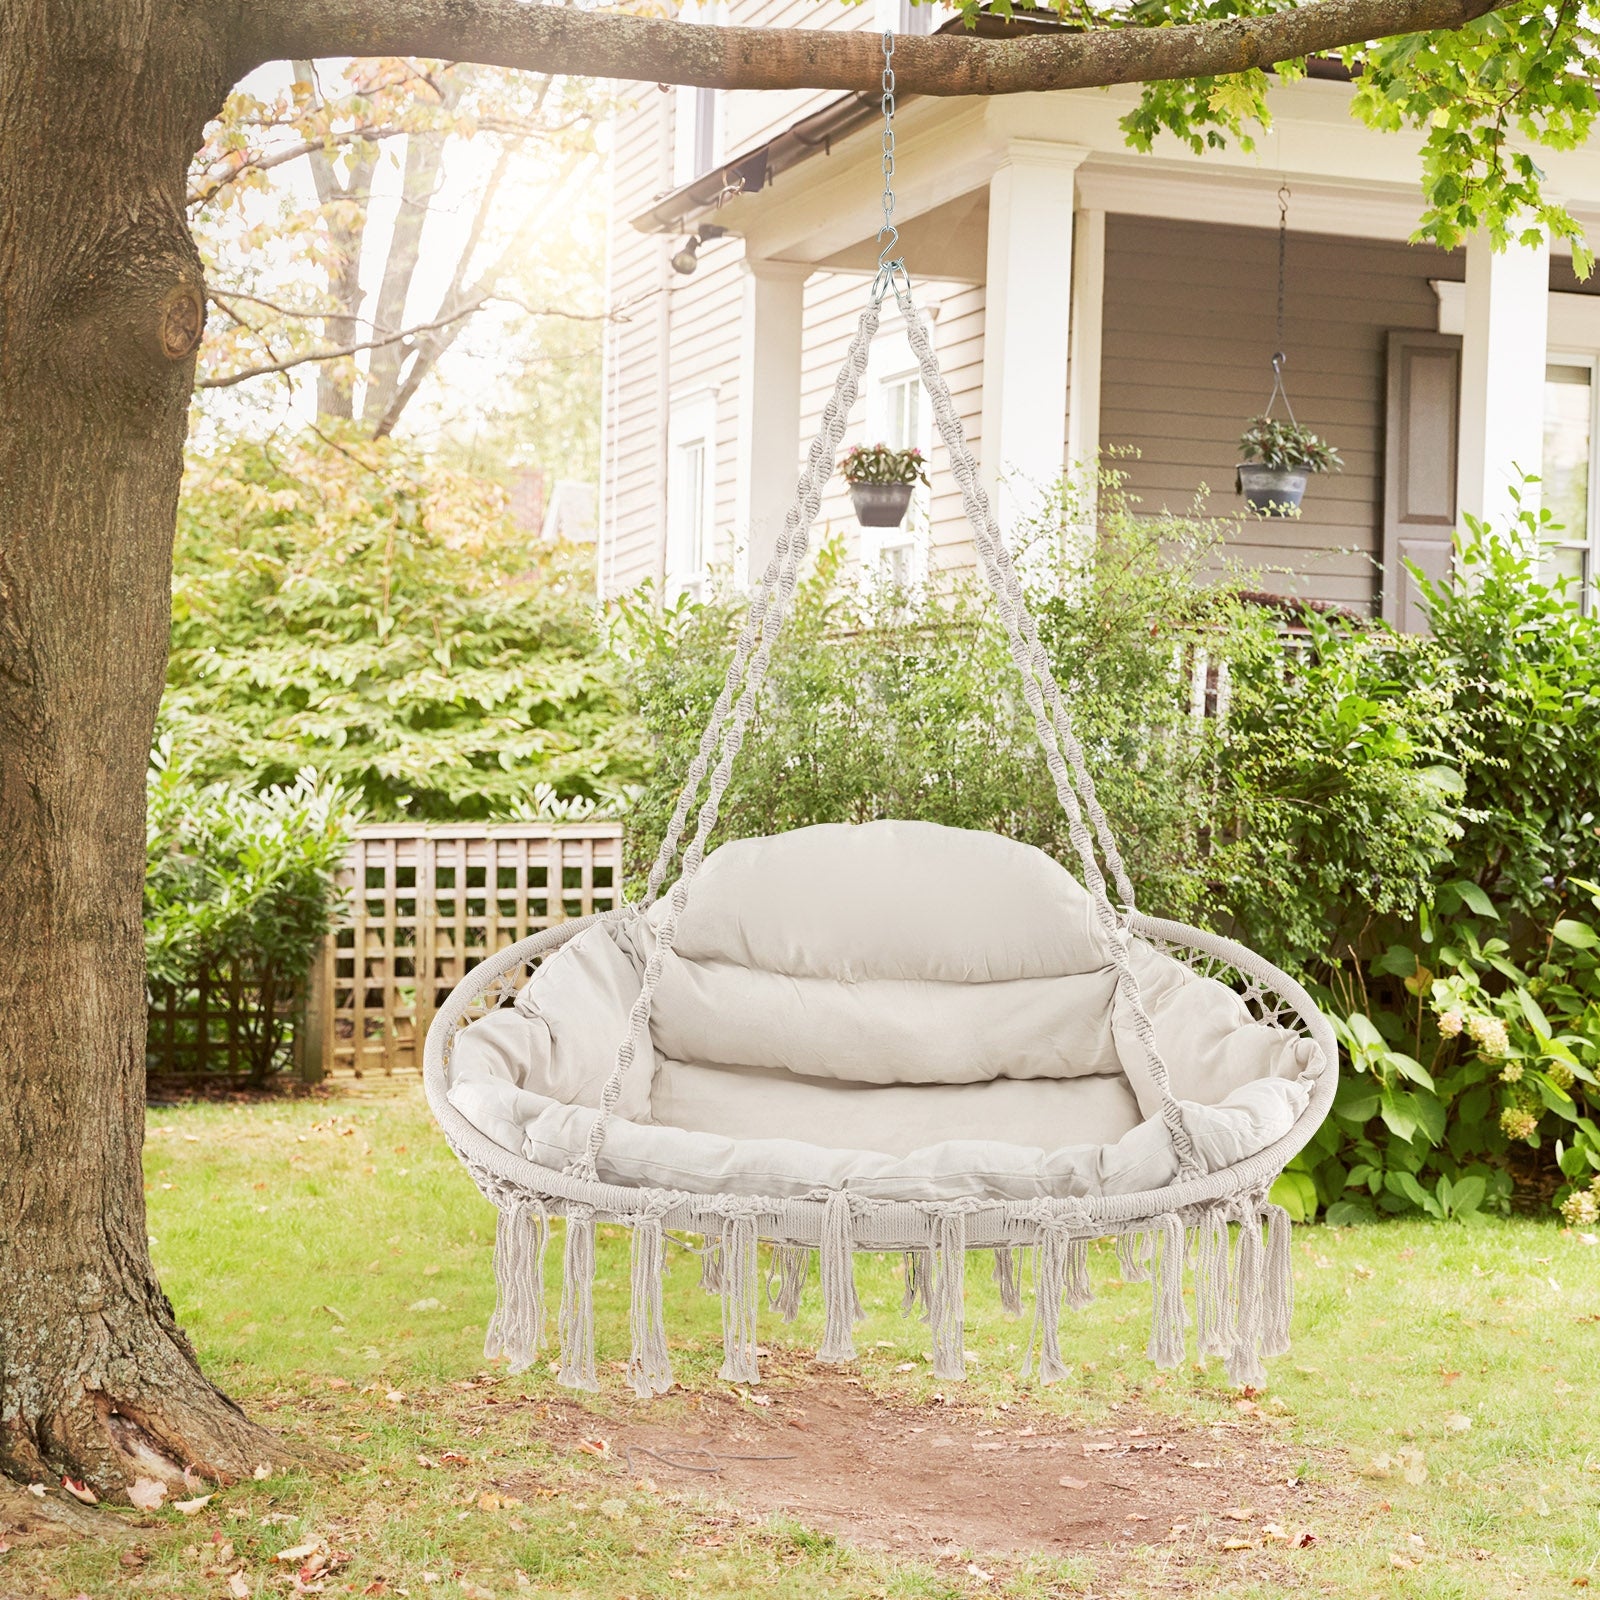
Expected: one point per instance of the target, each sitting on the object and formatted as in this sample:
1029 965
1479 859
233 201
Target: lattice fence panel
425 906
215 1027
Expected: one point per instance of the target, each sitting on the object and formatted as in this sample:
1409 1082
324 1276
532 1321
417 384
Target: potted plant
1278 456
881 482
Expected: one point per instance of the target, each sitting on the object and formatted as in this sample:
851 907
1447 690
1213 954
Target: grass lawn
332 1262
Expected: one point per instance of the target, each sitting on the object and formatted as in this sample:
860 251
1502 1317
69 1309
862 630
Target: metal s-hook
891 268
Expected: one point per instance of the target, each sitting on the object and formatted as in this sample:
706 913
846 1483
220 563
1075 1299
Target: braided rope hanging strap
746 673
735 705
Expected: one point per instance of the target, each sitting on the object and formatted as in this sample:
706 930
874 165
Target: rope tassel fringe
739 1285
577 1304
841 1305
516 1328
649 1365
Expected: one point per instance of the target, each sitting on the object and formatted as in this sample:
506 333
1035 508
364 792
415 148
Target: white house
1087 299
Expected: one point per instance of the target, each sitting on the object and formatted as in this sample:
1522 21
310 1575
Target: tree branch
225 170
337 352
562 39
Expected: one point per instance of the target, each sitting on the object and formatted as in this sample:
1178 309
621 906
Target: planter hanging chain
1279 359
891 268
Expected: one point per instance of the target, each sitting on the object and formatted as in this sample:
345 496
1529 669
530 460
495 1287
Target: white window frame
691 527
697 132
890 365
1589 543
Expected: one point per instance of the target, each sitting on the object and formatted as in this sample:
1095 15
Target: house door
1419 468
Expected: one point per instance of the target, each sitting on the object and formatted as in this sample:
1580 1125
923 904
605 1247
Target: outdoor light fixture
687 258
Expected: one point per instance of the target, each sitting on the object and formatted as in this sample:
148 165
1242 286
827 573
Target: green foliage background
347 607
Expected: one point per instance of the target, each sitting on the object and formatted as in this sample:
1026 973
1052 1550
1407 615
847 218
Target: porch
1092 302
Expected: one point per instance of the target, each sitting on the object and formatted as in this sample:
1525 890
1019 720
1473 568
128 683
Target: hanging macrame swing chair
895 1036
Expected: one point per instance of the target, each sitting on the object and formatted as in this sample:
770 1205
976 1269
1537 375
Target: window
1567 471
898 413
902 412
691 440
695 145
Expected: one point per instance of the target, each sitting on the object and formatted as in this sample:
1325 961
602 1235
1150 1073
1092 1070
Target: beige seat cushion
750 1103
910 1011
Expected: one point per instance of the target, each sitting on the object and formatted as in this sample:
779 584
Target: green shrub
1471 1029
383 622
239 895
1519 664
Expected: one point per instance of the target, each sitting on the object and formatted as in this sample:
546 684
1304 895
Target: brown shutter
1419 468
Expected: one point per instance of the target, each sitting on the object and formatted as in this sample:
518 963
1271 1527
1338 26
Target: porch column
1083 401
1027 321
770 334
1503 344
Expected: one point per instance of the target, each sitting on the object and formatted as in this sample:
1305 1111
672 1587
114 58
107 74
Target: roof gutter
752 172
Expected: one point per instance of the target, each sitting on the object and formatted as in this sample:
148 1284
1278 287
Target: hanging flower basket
1270 489
882 481
1279 457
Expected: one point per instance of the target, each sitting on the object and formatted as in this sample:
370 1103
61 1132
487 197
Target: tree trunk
424 161
102 103
344 207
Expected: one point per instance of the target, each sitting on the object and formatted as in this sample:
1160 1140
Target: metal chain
1283 242
1279 359
891 268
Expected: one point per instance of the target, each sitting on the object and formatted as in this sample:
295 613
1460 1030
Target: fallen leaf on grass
192 1508
1239 1514
1239 1544
475 1591
1458 1422
595 1447
490 1501
1303 1539
427 1461
261 1474
975 1571
299 1552
1067 1481
1098 1449
147 1493
239 1586
80 1491
1275 1533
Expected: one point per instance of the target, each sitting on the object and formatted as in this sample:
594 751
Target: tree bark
568 39
101 308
